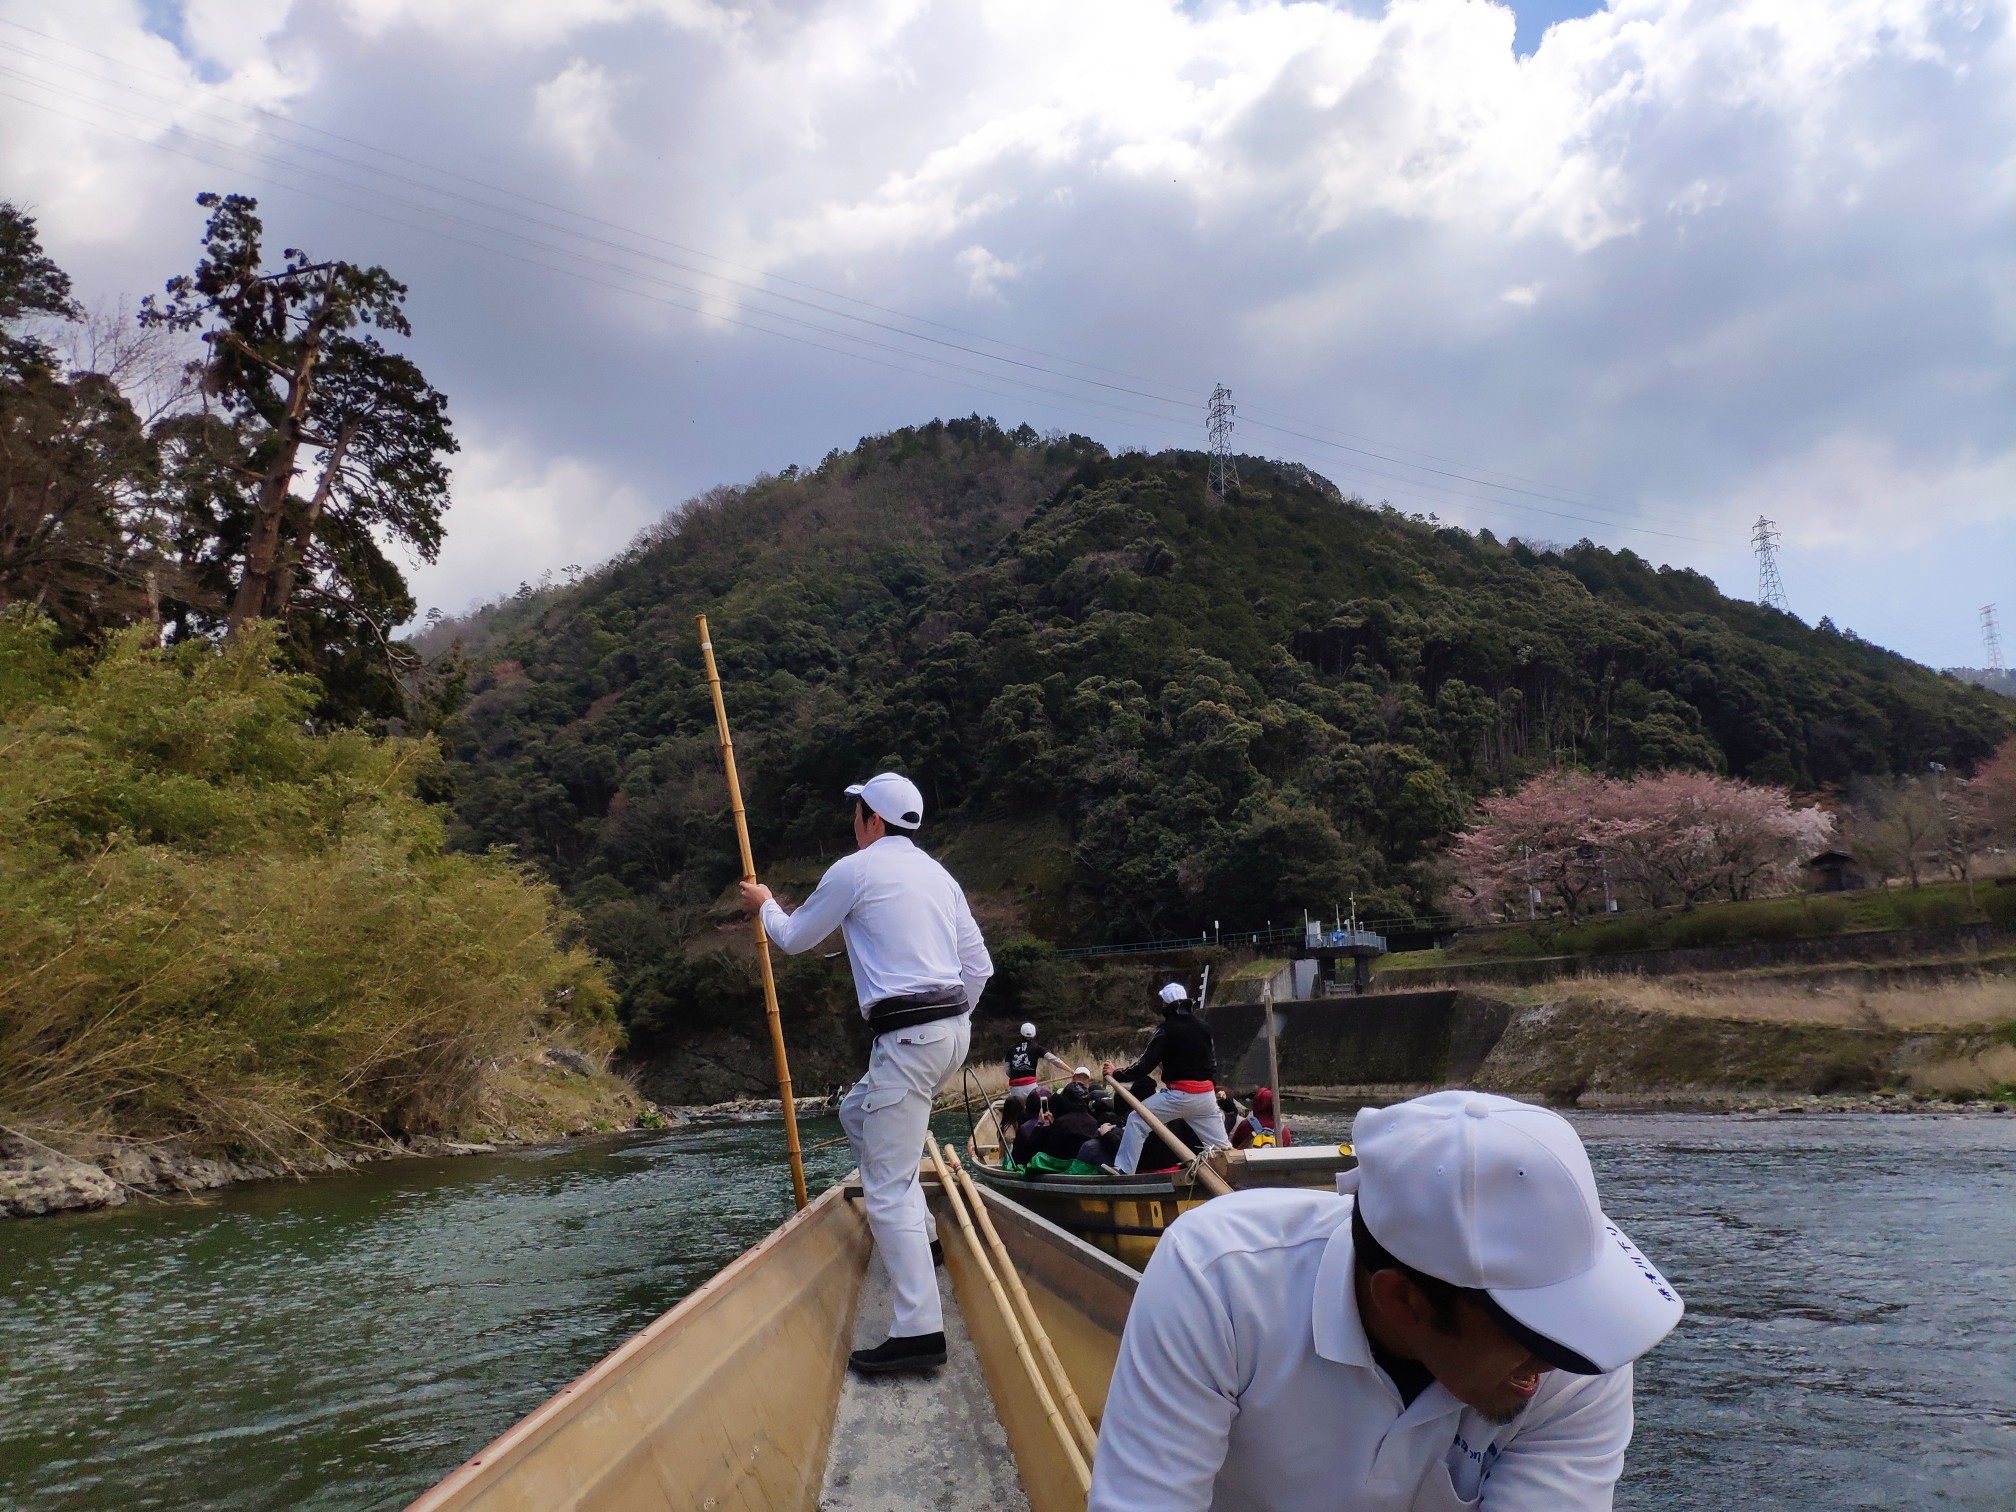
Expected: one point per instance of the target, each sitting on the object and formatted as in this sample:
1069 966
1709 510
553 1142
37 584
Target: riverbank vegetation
219 925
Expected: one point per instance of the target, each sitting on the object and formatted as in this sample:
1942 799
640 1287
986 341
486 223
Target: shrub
1827 916
1938 910
216 924
1999 904
1708 927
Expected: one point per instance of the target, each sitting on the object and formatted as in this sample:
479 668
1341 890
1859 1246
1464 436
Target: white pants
886 1115
1198 1109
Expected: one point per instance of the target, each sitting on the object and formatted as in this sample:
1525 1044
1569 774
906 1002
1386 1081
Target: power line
1991 640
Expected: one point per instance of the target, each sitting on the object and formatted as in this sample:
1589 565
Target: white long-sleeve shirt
1245 1382
907 924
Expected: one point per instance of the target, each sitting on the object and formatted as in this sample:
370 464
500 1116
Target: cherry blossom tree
1665 838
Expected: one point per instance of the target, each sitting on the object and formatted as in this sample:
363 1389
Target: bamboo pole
1044 1396
1274 1063
762 940
1074 1410
1219 1186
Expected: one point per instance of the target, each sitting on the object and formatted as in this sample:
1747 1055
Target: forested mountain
1183 710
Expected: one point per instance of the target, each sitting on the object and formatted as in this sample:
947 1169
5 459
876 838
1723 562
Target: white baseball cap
895 798
1028 1031
1081 1070
1497 1195
1175 992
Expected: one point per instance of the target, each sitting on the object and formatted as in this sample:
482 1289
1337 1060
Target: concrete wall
1415 1038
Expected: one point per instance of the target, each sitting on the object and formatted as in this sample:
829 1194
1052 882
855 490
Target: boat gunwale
532 1429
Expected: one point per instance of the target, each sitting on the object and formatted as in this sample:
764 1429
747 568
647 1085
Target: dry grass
991 1077
1991 1070
1958 1005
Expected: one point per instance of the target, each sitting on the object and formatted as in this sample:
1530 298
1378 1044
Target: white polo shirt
1245 1381
907 925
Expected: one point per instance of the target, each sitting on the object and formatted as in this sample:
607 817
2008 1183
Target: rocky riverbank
38 1179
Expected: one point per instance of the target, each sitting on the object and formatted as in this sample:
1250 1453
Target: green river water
340 1343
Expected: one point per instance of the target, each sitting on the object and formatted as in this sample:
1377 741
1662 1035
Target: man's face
868 828
1479 1363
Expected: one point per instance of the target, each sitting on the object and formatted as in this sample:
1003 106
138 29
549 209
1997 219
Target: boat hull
728 1400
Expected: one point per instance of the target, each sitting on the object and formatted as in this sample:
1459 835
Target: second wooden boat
1125 1215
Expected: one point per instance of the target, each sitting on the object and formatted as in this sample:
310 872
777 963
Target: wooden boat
731 1399
1125 1215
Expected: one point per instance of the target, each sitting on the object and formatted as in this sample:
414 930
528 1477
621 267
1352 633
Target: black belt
913 1008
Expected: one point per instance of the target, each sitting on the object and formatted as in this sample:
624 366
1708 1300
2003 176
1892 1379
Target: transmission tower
1219 428
1992 639
1770 587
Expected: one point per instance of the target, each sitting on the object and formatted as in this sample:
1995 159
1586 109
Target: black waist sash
913 1008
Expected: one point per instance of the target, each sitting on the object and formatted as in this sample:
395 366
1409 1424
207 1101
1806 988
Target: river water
1850 1339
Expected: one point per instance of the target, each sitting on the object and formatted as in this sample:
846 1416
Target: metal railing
1284 936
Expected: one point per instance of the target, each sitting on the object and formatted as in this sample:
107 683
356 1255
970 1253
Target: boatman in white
919 966
1454 1332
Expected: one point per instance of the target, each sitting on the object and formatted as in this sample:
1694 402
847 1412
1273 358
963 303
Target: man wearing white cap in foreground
1456 1332
919 966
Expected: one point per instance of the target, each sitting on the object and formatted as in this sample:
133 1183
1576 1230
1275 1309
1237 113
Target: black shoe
913 1352
937 1252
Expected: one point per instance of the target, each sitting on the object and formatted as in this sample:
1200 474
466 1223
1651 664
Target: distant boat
731 1399
1125 1215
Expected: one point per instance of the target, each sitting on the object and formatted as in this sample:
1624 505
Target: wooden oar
1074 1410
762 940
1219 1186
1045 1398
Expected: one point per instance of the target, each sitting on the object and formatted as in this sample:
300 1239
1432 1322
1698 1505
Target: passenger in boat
919 967
1267 1128
1013 1111
1183 1050
1457 1329
1056 1135
1025 1059
1076 1093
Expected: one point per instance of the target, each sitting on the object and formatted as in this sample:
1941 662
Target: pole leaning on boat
756 921
1219 1186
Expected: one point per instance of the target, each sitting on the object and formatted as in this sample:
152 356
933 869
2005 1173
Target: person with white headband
1454 1329
1182 1050
919 967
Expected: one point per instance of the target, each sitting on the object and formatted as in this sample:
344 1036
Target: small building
1834 871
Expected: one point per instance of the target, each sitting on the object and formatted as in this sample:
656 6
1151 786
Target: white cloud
1732 256
985 273
1859 492
574 112
517 515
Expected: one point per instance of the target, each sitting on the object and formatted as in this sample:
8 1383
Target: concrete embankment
1577 1049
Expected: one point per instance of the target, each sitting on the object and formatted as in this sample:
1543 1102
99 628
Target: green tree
297 390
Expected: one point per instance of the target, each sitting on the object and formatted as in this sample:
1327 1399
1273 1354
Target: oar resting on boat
731 1399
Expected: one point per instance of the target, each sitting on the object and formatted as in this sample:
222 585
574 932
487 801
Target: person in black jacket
1024 1061
1183 1052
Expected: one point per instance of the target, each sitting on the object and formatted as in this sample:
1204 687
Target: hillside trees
1194 712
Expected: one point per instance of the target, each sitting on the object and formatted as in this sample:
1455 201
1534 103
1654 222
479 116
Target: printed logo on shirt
1482 1458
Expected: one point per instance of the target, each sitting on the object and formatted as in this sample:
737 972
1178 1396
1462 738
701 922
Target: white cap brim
1610 1314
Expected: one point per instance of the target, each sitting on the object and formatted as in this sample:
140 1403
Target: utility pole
1218 428
1770 587
1991 638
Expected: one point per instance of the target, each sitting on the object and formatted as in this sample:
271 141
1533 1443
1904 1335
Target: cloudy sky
1640 272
